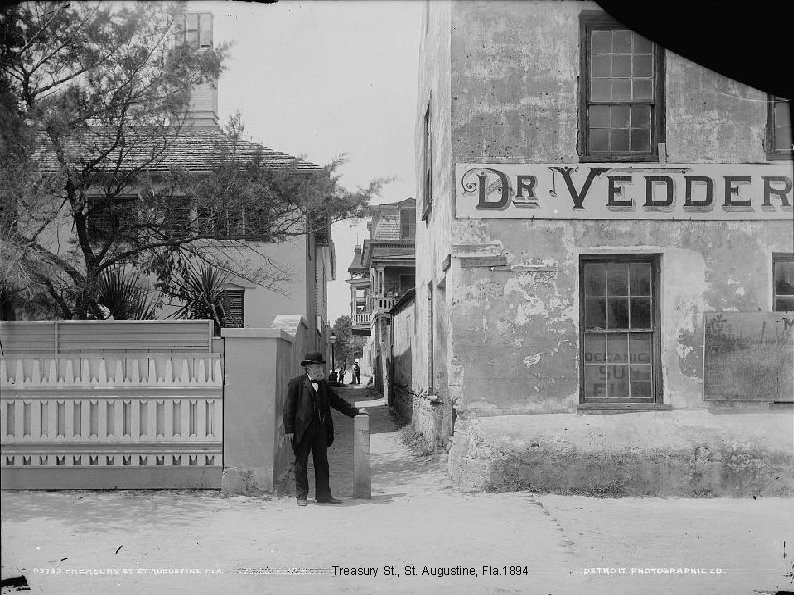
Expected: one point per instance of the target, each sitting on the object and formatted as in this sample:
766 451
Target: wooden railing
85 411
361 319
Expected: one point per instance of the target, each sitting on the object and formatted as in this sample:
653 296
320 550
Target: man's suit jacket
299 407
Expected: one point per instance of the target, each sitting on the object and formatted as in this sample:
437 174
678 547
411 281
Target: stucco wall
403 328
514 99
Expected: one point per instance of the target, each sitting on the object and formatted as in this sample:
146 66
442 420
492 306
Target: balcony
381 304
362 319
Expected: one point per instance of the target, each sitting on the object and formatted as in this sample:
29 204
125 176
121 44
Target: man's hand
289 437
363 412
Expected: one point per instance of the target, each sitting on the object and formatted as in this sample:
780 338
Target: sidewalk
554 544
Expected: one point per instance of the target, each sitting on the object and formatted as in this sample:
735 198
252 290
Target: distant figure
356 373
342 373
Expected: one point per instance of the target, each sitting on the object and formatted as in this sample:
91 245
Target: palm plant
201 291
124 298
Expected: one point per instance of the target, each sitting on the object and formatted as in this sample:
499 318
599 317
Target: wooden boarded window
778 129
234 300
427 163
407 223
783 284
619 329
621 92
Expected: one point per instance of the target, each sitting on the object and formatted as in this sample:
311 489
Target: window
427 164
408 223
621 92
110 216
778 129
234 222
234 305
198 29
407 282
619 326
783 273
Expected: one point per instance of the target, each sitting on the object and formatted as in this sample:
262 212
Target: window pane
595 385
640 348
642 45
784 277
617 279
640 273
600 66
599 116
784 304
643 65
599 90
640 116
595 274
640 141
618 382
599 140
621 89
594 315
617 313
621 41
641 382
621 65
640 312
620 116
618 348
602 42
594 349
642 89
619 140
782 126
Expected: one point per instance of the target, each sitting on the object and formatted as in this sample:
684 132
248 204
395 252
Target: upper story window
783 290
407 224
427 163
621 92
778 129
198 29
109 217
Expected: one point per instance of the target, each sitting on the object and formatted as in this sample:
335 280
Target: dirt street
415 535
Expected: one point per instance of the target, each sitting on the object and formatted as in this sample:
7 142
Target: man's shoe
302 502
330 500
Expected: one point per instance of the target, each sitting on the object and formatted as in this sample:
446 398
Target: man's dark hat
313 357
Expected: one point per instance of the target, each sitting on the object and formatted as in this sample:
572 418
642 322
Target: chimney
203 109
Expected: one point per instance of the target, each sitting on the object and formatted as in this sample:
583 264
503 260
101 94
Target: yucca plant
125 299
200 289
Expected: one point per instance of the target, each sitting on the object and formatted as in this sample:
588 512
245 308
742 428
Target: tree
93 99
348 346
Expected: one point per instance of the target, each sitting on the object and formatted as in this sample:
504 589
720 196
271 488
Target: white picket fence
89 412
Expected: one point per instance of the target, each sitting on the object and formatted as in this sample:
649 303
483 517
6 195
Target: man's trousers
314 439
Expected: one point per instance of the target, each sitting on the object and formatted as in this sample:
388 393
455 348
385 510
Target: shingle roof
193 149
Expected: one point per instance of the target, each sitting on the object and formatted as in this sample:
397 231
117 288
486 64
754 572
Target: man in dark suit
309 427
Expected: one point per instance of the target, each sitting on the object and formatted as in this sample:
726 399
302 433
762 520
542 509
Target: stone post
362 486
257 362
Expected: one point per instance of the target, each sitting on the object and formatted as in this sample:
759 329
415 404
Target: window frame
657 388
410 224
776 258
772 153
227 294
598 20
427 162
120 218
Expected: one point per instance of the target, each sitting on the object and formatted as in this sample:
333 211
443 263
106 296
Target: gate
109 414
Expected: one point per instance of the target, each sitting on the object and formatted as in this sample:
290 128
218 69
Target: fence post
362 486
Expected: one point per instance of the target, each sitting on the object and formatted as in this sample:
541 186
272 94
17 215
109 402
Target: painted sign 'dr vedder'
616 191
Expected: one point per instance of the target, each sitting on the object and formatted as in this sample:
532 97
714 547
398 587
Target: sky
320 79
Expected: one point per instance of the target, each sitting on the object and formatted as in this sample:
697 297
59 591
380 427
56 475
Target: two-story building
302 264
381 272
605 227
